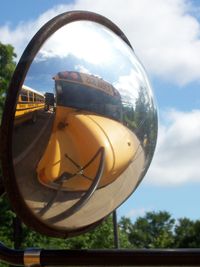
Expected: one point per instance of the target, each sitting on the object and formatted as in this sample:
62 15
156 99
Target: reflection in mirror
85 127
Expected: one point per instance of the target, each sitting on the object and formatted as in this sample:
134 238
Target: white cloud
82 69
20 36
163 32
177 156
126 83
67 40
137 212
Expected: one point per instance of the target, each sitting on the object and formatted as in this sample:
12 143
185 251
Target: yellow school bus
29 103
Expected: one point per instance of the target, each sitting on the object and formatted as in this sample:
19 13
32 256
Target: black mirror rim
17 80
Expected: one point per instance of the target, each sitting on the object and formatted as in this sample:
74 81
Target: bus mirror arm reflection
83 200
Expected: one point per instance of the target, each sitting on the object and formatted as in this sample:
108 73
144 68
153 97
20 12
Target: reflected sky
90 48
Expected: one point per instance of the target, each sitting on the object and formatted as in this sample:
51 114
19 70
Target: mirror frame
9 179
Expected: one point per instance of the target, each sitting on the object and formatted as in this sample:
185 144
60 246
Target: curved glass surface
85 127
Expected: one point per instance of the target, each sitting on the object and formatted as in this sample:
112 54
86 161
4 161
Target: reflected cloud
82 69
66 41
125 85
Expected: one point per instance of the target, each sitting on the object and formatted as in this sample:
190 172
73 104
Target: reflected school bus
88 116
29 103
89 93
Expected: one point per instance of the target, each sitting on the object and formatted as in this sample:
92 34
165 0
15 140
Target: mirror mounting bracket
32 257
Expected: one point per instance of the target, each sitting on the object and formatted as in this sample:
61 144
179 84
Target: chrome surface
98 84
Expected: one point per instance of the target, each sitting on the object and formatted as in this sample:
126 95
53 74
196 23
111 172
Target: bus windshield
84 96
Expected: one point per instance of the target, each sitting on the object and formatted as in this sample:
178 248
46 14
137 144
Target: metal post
2 191
17 232
115 230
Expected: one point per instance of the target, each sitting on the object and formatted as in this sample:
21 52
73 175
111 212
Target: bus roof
86 79
25 87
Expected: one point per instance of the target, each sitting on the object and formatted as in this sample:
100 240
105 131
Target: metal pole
2 191
115 230
17 232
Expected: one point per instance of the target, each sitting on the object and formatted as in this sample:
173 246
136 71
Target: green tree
125 225
187 233
100 237
6 219
7 66
154 230
125 228
146 121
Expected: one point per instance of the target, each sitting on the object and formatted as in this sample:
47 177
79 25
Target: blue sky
165 35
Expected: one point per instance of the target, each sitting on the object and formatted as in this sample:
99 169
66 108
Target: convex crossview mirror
79 127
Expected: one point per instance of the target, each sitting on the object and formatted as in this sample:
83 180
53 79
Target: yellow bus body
79 135
29 102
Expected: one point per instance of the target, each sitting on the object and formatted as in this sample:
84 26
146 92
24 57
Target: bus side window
24 95
30 96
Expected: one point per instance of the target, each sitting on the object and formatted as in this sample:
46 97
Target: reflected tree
146 121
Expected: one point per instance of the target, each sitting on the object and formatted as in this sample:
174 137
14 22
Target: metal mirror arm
140 257
2 190
11 256
82 201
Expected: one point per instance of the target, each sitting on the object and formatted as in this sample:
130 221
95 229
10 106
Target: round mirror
79 127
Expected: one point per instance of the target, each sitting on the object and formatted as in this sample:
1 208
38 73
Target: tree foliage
160 230
153 230
7 66
93 239
6 217
187 233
